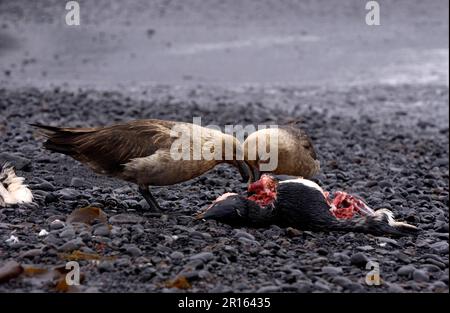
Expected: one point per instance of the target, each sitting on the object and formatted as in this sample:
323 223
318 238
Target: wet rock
194 275
176 255
67 233
439 286
365 248
431 268
53 240
31 253
67 194
248 242
331 270
402 257
355 287
441 227
105 266
56 224
203 256
440 247
144 205
71 245
125 219
406 270
50 198
102 230
45 186
359 259
293 232
322 251
321 286
10 270
85 236
269 289
341 257
19 162
342 281
137 231
133 250
420 276
243 234
395 288
436 263
387 241
303 286
319 261
78 183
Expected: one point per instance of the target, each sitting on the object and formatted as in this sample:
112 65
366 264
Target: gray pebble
203 256
133 250
71 245
78 182
331 270
440 247
105 266
102 230
31 253
125 219
395 288
67 194
269 289
19 162
420 276
365 248
240 233
322 286
177 255
342 281
406 270
359 259
45 186
55 225
341 257
67 233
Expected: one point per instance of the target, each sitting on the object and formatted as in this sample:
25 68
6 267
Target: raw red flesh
263 199
345 206
264 191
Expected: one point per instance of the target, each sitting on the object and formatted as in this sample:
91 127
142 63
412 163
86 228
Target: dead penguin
141 151
300 203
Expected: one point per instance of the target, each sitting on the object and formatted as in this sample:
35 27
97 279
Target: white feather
12 188
306 182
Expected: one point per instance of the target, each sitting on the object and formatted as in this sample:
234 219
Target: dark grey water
256 42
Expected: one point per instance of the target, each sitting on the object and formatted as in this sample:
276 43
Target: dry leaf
10 270
180 282
87 215
78 255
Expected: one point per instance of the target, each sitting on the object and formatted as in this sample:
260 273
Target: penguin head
229 208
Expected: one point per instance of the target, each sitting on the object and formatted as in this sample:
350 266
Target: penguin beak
227 211
218 211
244 170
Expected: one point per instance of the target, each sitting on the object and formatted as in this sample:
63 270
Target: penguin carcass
301 203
